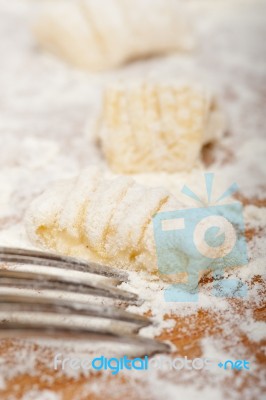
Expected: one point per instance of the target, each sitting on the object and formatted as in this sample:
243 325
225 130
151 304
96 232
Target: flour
2 383
46 131
45 395
255 330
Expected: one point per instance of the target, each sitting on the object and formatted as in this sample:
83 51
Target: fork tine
42 315
30 280
29 329
42 304
21 256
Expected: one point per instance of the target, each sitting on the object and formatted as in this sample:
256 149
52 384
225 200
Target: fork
65 297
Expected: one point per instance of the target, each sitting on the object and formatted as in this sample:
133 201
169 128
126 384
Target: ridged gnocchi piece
98 35
105 220
145 127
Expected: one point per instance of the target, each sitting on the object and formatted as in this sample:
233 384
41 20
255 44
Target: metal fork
65 297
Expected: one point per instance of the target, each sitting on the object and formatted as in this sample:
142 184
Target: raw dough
111 221
106 220
145 127
102 34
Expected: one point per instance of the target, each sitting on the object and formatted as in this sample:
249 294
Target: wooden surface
63 119
198 326
186 335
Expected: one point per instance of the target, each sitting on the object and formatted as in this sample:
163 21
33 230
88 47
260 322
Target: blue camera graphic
190 241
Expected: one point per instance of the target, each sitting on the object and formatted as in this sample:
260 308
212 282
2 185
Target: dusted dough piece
106 220
101 34
147 127
111 221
